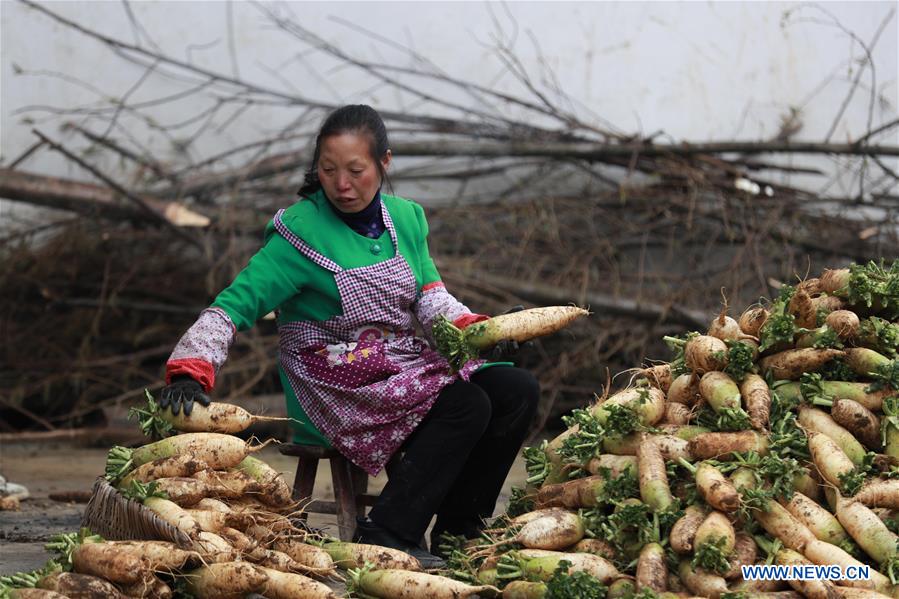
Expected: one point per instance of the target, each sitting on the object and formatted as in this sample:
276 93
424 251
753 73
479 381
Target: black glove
184 390
508 348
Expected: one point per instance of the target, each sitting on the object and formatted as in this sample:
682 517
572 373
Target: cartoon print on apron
363 378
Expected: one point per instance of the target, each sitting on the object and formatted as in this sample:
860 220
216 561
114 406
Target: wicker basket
115 517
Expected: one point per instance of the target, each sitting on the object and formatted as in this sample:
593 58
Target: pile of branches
535 209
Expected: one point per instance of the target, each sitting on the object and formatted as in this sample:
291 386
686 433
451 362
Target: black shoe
371 534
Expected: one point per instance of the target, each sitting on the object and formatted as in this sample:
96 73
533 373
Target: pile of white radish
772 437
236 510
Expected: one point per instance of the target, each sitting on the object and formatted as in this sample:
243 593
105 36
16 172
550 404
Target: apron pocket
349 365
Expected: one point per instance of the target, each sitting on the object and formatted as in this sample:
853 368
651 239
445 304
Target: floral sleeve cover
203 348
435 300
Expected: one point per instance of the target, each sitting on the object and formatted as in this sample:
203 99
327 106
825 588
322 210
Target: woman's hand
183 391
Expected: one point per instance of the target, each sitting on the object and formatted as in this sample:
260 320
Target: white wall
698 70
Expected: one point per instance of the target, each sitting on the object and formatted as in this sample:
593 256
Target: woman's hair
353 118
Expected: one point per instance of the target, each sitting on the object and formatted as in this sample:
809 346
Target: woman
348 271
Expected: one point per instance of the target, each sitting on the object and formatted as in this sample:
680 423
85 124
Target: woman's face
347 172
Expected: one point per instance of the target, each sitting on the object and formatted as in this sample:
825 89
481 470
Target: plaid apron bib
363 378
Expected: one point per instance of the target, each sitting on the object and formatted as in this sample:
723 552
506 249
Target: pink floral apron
363 378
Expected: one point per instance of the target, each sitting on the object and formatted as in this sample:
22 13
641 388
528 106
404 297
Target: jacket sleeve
433 298
259 288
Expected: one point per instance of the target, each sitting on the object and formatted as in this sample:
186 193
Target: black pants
454 464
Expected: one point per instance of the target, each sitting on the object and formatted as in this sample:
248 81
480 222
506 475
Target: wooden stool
350 485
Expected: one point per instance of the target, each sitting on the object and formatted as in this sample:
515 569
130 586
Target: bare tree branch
88 199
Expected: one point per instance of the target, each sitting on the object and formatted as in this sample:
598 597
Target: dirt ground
50 469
